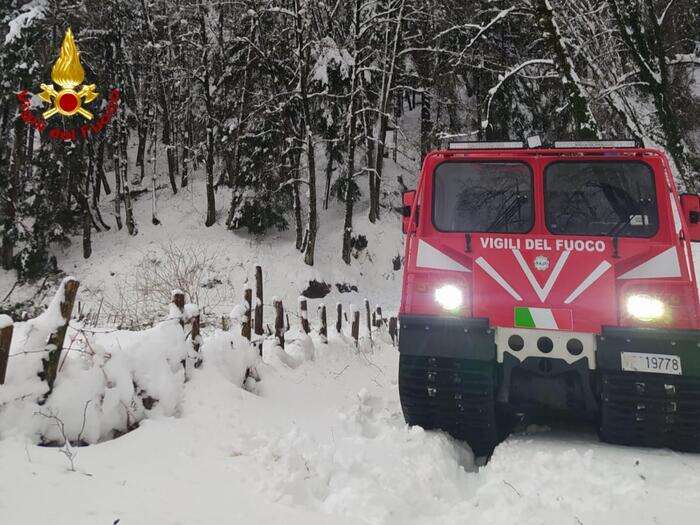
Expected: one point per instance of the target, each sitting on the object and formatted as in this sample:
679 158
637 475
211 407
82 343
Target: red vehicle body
569 285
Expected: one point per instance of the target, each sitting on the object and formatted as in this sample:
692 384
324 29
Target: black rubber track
650 410
452 395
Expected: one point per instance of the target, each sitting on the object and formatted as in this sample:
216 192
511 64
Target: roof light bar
595 144
486 145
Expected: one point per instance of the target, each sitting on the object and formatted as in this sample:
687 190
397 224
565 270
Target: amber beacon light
68 74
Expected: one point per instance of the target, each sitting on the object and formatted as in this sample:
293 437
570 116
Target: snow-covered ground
325 442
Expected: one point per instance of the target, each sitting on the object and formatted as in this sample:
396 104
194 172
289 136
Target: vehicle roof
550 152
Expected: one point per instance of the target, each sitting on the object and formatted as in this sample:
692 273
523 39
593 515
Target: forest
282 106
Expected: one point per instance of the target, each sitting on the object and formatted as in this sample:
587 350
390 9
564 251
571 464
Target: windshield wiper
506 213
616 230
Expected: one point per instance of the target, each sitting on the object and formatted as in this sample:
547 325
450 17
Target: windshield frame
647 166
533 192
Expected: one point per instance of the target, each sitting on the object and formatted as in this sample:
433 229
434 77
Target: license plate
654 363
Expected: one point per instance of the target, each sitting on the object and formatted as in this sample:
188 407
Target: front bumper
453 337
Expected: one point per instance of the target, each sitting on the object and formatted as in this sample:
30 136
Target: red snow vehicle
551 280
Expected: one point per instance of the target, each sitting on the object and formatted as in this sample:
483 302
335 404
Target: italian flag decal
547 318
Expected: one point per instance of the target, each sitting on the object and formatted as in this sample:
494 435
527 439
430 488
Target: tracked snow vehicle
556 281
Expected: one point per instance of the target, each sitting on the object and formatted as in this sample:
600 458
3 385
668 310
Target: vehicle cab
559 278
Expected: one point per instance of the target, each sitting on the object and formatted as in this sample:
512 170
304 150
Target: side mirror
690 205
409 198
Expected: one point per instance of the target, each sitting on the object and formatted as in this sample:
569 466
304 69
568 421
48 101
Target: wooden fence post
247 324
279 321
259 306
225 323
196 339
355 330
5 342
304 314
179 302
55 343
324 325
393 330
369 323
339 322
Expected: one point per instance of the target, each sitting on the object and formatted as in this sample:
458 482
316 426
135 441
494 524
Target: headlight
645 307
449 297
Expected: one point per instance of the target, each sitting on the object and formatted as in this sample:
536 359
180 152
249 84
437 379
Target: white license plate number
654 363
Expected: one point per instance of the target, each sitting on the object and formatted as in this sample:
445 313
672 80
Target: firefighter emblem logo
541 263
68 74
67 97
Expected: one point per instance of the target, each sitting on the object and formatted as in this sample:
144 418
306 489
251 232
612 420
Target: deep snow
325 442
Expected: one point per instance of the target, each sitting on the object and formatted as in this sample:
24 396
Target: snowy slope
234 254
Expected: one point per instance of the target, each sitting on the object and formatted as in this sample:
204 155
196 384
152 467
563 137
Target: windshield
483 197
609 198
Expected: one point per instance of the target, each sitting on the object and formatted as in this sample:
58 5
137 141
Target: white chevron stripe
542 293
430 257
593 277
497 277
663 265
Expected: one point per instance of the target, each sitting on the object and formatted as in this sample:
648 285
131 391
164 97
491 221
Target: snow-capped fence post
191 316
339 322
304 314
393 330
323 331
279 321
259 306
6 328
355 329
369 322
55 343
179 302
247 322
379 321
196 338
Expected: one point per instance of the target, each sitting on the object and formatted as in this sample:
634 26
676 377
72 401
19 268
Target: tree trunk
295 174
187 149
313 219
117 185
29 157
141 151
350 138
211 202
126 192
304 53
330 150
87 216
426 125
12 193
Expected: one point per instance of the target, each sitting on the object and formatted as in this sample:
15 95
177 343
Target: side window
603 198
482 197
